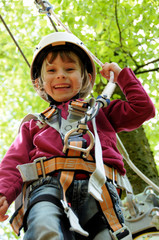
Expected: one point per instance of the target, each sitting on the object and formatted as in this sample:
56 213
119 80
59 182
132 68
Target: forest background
122 31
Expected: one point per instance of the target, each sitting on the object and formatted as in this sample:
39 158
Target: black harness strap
41 198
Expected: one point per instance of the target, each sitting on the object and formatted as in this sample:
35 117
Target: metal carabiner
83 128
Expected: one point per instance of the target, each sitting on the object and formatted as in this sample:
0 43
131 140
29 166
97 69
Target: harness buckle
41 161
123 233
28 172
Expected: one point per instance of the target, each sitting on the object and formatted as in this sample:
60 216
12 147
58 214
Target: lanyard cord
14 41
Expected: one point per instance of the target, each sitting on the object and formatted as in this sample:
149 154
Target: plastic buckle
73 219
123 233
41 160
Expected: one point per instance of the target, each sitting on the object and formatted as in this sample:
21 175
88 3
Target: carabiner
82 128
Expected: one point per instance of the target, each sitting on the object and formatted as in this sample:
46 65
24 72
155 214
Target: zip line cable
14 40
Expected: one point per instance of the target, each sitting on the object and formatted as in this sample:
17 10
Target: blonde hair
65 54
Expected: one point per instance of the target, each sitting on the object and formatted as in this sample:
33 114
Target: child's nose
61 74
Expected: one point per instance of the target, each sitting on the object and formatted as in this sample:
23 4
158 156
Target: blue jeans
47 221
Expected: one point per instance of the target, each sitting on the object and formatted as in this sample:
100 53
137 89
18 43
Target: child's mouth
62 86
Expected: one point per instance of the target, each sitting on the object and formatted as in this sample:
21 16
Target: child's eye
70 69
51 70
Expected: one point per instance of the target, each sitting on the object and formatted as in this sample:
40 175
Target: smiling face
62 76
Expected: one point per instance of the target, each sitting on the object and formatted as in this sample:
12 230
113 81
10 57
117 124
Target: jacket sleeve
131 114
18 153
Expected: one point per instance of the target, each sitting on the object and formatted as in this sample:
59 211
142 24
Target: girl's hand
107 67
3 208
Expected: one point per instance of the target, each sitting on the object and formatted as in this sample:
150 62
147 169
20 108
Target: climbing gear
43 10
43 167
77 159
60 41
141 212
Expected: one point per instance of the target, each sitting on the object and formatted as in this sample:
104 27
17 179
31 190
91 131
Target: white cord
125 155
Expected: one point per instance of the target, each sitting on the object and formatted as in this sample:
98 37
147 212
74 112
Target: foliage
122 31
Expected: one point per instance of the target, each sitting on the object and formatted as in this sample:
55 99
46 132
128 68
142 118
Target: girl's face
62 78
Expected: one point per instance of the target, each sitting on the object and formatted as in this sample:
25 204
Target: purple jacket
33 142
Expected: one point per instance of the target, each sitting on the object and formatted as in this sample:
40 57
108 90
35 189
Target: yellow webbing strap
47 113
80 104
73 152
17 220
66 178
72 163
108 210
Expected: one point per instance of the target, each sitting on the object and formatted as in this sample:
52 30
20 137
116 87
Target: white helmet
60 40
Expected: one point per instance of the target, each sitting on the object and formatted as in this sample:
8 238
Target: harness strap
66 178
48 113
108 210
17 219
73 152
43 166
117 230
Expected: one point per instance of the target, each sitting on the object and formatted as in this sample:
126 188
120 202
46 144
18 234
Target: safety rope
125 155
4 23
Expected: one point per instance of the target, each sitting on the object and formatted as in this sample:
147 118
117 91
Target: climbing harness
77 158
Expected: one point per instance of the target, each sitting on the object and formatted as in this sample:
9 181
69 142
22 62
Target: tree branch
145 71
117 22
146 64
133 59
